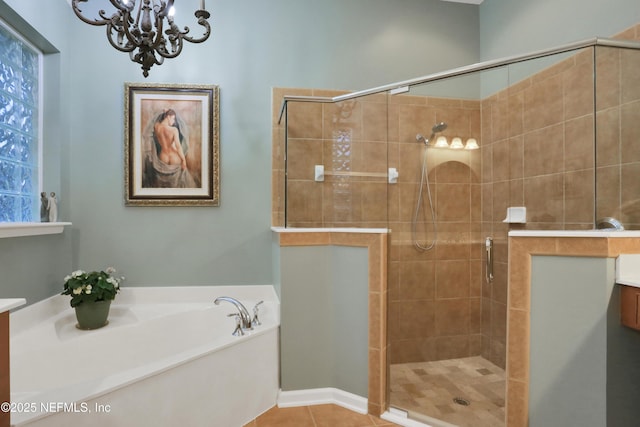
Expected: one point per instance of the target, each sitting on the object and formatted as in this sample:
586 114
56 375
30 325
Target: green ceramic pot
92 315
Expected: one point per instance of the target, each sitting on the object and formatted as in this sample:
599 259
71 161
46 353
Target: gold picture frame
172 147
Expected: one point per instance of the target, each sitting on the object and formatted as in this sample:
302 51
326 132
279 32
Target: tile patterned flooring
420 388
316 416
430 388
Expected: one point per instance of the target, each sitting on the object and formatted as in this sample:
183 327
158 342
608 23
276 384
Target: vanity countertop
574 233
7 304
628 270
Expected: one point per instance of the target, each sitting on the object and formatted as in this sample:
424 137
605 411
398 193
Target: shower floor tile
429 388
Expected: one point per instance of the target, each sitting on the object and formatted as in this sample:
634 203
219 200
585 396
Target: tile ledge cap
330 230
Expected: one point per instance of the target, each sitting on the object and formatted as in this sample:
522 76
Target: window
20 118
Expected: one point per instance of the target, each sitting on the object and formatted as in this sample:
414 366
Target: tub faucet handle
256 320
238 331
245 317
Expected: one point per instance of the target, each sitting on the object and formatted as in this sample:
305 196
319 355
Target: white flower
113 281
77 291
89 287
67 278
110 270
77 273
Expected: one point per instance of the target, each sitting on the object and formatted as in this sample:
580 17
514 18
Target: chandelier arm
163 52
105 19
128 47
174 40
158 40
133 39
78 12
118 5
121 28
202 16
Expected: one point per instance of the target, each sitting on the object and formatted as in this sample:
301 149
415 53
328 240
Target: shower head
438 127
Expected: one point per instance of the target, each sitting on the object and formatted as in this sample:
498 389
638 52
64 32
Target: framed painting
172 153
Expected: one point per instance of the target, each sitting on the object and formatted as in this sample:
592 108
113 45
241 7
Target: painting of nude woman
168 143
171 147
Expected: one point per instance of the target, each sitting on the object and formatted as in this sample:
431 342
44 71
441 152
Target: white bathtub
166 358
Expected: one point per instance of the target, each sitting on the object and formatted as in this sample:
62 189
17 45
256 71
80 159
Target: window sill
21 229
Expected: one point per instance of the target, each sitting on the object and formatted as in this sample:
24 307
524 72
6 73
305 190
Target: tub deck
152 333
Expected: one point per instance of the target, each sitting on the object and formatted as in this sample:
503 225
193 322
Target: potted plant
91 295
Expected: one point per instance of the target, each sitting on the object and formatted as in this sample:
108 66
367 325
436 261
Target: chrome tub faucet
245 317
244 321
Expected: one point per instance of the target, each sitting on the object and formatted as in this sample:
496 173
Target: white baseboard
353 402
322 396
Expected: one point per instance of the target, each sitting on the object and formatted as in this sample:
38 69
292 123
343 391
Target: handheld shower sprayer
424 182
438 127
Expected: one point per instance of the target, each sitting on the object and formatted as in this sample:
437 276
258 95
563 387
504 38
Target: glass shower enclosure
449 164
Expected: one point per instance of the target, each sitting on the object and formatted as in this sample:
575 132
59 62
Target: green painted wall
324 318
331 44
284 43
584 364
568 367
512 27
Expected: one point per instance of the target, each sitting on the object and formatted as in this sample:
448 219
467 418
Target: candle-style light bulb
441 142
456 143
201 4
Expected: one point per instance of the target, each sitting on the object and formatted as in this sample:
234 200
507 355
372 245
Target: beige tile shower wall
350 140
618 132
538 152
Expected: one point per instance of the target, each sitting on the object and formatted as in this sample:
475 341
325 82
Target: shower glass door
444 361
533 122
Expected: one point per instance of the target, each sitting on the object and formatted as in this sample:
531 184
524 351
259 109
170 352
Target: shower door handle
488 247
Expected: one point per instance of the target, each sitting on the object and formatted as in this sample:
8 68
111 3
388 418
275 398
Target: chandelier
138 27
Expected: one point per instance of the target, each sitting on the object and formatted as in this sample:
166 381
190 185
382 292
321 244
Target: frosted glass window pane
19 103
7 203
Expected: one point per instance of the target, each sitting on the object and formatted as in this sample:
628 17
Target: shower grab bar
391 175
367 174
488 247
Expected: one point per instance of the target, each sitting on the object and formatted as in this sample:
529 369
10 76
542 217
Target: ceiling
454 1
466 1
